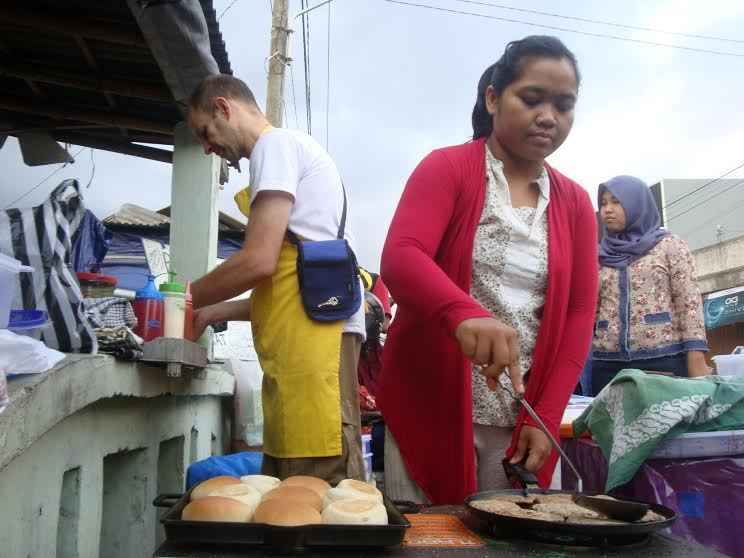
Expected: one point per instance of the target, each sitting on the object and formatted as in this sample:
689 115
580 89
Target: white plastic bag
24 355
248 408
3 391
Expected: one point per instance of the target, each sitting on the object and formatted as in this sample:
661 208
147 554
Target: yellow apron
300 361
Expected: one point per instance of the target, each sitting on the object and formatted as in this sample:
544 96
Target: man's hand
494 345
534 445
231 310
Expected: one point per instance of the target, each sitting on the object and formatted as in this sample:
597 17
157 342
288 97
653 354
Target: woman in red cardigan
491 256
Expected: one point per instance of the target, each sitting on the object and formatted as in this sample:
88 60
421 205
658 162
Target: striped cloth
43 237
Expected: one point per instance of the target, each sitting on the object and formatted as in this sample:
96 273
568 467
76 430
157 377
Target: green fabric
636 411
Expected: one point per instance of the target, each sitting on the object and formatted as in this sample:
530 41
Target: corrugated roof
130 215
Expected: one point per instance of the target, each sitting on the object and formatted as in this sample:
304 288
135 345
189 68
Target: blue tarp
125 258
233 465
91 244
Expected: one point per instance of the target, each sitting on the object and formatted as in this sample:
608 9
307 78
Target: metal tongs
614 509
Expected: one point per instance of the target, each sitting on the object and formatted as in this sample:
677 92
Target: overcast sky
403 80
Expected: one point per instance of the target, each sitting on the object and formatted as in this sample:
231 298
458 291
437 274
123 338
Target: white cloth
293 162
509 278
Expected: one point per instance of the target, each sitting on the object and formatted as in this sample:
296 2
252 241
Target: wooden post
277 60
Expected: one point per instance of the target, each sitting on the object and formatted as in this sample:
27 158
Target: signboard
724 308
154 254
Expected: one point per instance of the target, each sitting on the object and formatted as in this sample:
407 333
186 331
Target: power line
27 192
555 28
705 200
294 98
306 60
704 223
328 74
687 195
219 17
600 22
93 170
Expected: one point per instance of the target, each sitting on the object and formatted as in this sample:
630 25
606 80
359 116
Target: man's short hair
220 85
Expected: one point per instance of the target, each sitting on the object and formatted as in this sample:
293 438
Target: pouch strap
292 237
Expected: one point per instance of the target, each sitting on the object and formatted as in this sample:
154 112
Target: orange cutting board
439 530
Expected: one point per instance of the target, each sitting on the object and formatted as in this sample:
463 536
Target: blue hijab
642 222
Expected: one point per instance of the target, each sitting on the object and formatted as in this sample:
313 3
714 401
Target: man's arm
258 257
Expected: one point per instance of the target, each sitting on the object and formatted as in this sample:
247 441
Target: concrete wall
86 447
721 265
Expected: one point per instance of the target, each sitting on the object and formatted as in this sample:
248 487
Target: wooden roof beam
93 65
96 117
88 82
143 151
61 22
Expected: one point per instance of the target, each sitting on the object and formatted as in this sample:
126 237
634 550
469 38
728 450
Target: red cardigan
425 387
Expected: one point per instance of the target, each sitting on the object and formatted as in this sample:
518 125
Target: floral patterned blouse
652 308
510 272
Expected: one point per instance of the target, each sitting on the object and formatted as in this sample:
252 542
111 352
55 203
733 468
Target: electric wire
719 216
294 97
601 22
27 192
306 60
556 28
687 195
706 200
328 74
93 170
219 17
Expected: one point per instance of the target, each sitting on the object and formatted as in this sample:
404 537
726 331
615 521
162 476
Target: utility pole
277 61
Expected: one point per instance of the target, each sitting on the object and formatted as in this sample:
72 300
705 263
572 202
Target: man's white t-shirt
291 161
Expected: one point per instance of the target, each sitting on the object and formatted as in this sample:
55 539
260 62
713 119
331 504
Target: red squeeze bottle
148 308
188 318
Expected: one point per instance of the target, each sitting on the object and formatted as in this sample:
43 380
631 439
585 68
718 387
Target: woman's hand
696 365
494 345
534 445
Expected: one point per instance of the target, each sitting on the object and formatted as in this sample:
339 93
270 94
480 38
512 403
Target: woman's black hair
509 68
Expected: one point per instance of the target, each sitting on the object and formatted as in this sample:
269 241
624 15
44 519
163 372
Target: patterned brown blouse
510 273
652 308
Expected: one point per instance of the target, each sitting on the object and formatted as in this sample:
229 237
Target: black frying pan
580 534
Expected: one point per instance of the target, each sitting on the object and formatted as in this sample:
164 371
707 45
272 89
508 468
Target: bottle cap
171 286
149 290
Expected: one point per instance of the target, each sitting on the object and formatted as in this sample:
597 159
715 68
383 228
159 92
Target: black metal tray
282 539
572 534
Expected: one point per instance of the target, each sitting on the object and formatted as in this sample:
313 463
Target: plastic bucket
9 269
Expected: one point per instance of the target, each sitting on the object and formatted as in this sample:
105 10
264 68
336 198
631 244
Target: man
309 392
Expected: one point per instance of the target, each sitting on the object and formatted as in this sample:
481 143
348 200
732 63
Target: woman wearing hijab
650 312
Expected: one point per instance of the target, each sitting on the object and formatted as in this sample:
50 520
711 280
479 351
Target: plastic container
174 299
9 269
188 317
730 365
720 443
368 466
26 322
149 308
95 285
366 443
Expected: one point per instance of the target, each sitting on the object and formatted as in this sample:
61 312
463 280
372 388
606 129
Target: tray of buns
291 515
